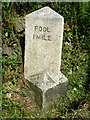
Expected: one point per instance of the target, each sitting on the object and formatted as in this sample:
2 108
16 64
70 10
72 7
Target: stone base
46 93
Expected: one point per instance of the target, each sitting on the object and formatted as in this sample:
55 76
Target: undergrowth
75 62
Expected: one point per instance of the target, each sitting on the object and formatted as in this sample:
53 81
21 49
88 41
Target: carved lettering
41 36
41 29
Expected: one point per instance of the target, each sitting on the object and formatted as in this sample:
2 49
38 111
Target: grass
75 66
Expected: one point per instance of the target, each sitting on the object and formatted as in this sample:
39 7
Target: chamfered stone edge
45 12
44 98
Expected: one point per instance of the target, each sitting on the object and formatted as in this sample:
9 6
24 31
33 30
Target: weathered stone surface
46 94
44 33
43 47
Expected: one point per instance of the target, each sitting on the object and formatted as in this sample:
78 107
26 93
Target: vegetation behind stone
75 61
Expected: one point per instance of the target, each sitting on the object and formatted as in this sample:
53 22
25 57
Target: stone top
45 12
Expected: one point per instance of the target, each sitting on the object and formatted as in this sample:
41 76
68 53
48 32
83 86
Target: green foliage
10 69
75 59
13 109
